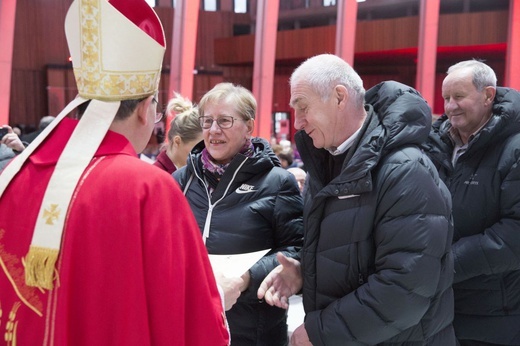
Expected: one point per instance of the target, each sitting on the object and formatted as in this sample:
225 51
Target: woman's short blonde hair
242 99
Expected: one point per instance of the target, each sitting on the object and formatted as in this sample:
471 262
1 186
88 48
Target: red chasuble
132 269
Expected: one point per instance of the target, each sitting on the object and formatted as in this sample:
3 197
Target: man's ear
490 94
142 110
341 95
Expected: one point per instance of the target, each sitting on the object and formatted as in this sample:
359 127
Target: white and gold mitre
107 48
117 48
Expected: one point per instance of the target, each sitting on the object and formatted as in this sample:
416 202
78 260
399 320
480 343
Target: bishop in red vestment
96 246
132 268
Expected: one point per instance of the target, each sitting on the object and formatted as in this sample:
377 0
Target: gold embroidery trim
92 79
12 326
13 270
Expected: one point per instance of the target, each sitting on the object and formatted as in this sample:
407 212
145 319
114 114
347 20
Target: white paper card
235 265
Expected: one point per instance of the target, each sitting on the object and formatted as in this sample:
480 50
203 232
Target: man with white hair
376 266
299 175
475 146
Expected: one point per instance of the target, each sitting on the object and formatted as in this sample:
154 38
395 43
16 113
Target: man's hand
281 283
231 288
299 337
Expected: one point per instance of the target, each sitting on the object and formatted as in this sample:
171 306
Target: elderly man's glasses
158 115
224 122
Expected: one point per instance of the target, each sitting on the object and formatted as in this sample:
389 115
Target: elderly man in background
476 146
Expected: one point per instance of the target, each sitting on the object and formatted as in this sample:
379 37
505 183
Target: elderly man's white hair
324 71
483 75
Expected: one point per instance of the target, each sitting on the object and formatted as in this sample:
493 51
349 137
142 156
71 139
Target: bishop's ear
144 109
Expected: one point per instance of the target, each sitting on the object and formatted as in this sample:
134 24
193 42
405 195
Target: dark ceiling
379 9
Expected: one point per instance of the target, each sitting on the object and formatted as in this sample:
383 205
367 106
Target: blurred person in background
44 122
184 133
10 145
300 176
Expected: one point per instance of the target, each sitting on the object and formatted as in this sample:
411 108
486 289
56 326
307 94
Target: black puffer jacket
256 205
376 259
485 187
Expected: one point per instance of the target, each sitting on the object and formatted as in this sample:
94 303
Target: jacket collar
504 122
238 171
397 116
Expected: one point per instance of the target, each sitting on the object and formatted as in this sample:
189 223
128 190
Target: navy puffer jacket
376 258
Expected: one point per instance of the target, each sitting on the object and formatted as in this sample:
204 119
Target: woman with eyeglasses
184 133
243 202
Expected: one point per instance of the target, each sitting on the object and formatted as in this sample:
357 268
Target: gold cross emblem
51 215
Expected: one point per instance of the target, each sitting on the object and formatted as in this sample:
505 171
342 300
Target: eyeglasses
158 115
224 121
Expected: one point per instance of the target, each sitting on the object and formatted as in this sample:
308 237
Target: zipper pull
207 224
